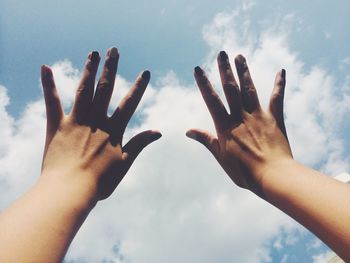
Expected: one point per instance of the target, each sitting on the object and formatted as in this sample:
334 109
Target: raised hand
248 139
84 161
252 147
86 146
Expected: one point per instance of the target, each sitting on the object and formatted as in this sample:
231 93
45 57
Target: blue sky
170 38
159 35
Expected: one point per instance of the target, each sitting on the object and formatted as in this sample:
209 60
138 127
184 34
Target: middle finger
105 86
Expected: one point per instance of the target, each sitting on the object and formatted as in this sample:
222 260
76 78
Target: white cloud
7 121
176 204
278 244
66 78
325 257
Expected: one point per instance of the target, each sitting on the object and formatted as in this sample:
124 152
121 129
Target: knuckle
110 64
128 99
80 90
103 83
88 66
230 85
250 91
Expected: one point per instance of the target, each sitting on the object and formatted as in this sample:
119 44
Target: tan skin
247 132
251 145
84 161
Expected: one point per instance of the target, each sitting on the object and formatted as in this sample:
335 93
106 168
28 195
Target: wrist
271 174
73 190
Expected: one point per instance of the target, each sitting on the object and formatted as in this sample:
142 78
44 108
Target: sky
176 204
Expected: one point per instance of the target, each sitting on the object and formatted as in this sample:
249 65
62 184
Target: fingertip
146 75
94 56
43 67
113 52
156 135
45 70
191 134
46 77
283 73
241 64
281 78
240 59
222 56
198 71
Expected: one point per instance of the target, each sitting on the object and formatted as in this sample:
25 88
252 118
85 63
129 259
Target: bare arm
319 202
251 145
84 161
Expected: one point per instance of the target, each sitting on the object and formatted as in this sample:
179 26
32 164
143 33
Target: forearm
320 203
39 226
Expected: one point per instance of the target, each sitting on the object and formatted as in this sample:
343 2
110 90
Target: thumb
205 138
137 143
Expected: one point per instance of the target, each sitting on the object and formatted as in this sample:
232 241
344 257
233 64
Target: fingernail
94 56
146 75
223 55
198 71
283 73
113 52
240 59
45 70
191 134
156 136
241 64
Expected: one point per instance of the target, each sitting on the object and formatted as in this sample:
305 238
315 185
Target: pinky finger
54 110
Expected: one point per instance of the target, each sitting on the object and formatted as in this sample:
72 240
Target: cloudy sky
176 204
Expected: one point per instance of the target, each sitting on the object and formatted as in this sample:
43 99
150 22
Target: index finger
122 115
212 100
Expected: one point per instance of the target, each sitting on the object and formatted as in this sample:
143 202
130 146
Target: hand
249 139
85 147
